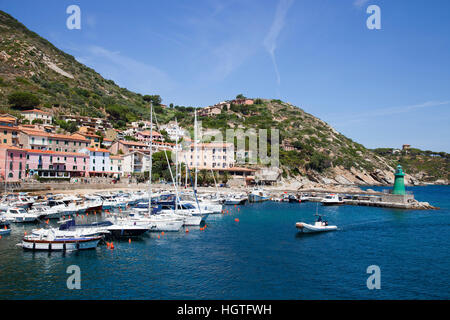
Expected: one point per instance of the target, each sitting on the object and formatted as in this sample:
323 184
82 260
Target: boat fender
50 247
78 245
34 245
64 246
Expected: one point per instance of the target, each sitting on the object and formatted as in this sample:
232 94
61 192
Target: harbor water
260 256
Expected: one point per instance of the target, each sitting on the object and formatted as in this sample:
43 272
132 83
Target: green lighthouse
399 184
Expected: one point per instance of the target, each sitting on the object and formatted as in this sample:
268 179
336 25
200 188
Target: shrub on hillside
23 100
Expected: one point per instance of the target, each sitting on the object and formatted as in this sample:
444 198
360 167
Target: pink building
12 163
145 136
56 164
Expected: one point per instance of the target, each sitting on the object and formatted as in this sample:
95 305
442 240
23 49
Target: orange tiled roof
147 133
55 152
36 132
98 150
133 143
2 146
10 128
35 111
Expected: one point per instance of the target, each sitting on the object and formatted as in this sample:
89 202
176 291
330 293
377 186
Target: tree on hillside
155 99
23 100
240 96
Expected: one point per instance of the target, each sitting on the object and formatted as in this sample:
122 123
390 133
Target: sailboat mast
176 153
196 150
150 161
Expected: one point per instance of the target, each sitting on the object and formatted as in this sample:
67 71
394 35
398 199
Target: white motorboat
155 222
332 200
19 215
258 195
44 211
236 199
49 241
318 226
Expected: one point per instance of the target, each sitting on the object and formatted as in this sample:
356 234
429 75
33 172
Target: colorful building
12 163
212 155
31 138
56 164
36 114
99 161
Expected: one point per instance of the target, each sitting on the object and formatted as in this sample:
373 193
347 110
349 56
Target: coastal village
33 148
38 155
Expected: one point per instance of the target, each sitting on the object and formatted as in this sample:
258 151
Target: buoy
129 240
227 211
237 220
107 244
112 245
158 236
6 228
87 213
187 230
162 233
0 237
239 209
47 221
235 206
25 233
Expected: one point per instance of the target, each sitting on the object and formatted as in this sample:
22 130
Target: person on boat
319 219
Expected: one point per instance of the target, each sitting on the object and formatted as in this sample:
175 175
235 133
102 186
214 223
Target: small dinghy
5 228
319 226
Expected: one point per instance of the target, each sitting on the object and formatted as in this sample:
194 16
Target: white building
36 114
99 161
173 131
117 164
136 162
212 155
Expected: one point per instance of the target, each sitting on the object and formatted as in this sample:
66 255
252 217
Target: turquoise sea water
260 257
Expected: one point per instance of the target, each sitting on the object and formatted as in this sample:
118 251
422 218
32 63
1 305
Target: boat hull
308 228
332 203
60 245
127 233
4 232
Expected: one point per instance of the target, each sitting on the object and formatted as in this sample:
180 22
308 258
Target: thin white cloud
360 3
391 111
270 42
125 71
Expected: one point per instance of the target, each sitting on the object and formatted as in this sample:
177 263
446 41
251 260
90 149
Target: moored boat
49 242
332 200
5 228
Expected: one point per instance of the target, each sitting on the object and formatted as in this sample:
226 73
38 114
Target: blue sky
382 88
